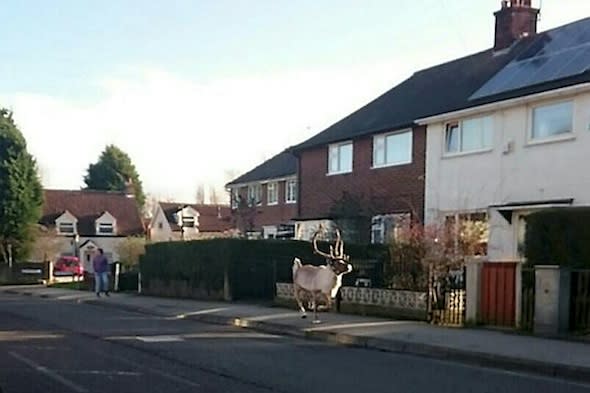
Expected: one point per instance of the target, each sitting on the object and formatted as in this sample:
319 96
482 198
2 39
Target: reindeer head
337 260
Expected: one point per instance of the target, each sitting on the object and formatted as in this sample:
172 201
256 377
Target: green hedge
559 237
253 266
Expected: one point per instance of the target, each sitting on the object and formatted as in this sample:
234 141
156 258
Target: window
105 228
254 194
272 194
469 135
188 222
386 227
552 120
235 198
160 225
291 196
467 233
66 228
340 158
392 149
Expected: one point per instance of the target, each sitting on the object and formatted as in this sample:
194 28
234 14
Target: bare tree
47 246
200 194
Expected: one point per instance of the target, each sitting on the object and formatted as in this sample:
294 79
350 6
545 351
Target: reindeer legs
297 291
315 307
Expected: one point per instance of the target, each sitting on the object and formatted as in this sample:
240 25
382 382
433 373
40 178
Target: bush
558 236
252 266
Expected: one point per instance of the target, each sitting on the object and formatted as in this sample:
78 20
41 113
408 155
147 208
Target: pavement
481 347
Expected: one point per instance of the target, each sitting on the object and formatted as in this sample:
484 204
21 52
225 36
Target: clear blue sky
259 74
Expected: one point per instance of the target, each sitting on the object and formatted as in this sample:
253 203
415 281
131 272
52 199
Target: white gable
66 217
106 217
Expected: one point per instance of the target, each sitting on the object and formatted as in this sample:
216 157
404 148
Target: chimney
515 20
129 188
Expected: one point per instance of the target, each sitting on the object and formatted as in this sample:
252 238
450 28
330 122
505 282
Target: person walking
101 277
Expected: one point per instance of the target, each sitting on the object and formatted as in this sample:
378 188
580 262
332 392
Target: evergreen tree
21 192
112 172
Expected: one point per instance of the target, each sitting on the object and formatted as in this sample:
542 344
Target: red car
68 266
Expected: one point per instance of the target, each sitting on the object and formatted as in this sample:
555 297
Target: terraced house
375 158
264 200
518 145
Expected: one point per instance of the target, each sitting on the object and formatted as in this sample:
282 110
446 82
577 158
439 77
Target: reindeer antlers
336 251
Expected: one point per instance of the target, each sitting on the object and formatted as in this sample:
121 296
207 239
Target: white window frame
101 225
381 140
255 194
235 198
68 224
461 149
272 193
188 219
336 148
291 191
552 137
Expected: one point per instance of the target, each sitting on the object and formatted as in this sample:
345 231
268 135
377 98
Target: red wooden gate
498 293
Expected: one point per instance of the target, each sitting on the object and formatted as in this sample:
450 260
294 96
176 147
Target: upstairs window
469 135
235 198
392 149
105 228
66 228
254 195
291 191
188 222
552 120
340 158
272 197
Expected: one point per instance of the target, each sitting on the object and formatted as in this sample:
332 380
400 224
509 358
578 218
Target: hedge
197 268
559 236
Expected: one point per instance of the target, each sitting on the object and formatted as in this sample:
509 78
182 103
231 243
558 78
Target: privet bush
252 266
559 236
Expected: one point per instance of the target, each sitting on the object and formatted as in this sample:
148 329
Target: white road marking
49 373
159 339
101 372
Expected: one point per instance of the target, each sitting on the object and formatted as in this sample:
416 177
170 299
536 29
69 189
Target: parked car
68 266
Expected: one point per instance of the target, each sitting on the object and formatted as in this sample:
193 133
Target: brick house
375 157
78 222
264 200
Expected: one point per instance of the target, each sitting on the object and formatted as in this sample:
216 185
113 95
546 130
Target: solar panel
559 53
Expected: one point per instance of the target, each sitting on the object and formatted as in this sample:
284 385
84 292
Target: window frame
234 198
101 225
274 186
291 194
531 139
339 147
255 194
378 225
459 125
69 224
188 219
384 137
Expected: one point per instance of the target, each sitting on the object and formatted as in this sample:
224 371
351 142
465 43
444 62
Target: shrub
559 236
252 266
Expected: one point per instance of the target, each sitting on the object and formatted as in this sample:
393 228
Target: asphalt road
54 346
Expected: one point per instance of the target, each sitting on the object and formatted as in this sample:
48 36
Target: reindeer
320 281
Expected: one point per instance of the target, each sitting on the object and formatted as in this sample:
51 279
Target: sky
199 92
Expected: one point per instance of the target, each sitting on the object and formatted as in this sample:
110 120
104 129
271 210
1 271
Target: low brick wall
370 301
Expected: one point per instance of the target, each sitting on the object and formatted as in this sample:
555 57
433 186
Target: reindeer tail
296 265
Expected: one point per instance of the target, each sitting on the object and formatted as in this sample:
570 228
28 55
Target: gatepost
552 296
